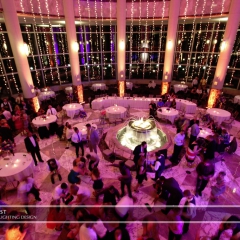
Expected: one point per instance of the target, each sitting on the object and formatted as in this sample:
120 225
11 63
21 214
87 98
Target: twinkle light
146 40
81 35
96 32
131 37
29 42
90 36
53 42
103 39
191 39
160 36
62 40
9 62
215 41
198 36
206 36
139 31
45 38
153 30
111 35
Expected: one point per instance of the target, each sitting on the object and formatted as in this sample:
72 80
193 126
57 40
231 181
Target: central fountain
139 130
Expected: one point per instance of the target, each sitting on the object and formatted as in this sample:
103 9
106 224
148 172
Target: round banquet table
68 90
129 85
187 106
168 114
140 103
204 132
83 129
72 109
219 115
46 95
16 168
115 112
41 122
179 87
236 99
101 86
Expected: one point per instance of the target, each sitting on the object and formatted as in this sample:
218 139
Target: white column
121 39
73 45
171 39
227 44
17 45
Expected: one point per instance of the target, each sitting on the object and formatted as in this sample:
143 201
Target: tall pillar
121 44
225 52
73 48
19 50
170 44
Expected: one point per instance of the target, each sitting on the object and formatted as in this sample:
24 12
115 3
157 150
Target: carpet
93 116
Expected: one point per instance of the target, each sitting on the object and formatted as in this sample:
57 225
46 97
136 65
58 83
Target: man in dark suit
169 188
140 150
31 143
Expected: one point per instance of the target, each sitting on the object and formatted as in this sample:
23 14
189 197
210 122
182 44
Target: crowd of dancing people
99 210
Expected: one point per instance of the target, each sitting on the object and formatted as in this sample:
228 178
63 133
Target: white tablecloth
170 114
101 86
115 112
16 168
46 95
129 85
72 109
236 99
187 106
141 103
179 87
68 90
40 122
219 115
83 129
204 132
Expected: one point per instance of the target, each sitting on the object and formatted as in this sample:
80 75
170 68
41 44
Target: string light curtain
61 43
160 37
30 44
53 42
9 64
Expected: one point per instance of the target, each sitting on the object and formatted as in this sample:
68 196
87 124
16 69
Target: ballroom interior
119 55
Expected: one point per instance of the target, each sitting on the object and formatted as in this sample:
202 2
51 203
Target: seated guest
152 109
173 104
224 140
6 105
194 93
199 91
40 111
51 111
160 103
168 103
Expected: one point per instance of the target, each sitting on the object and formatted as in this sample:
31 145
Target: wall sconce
121 75
215 41
223 46
166 76
5 46
121 45
169 45
76 46
26 49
